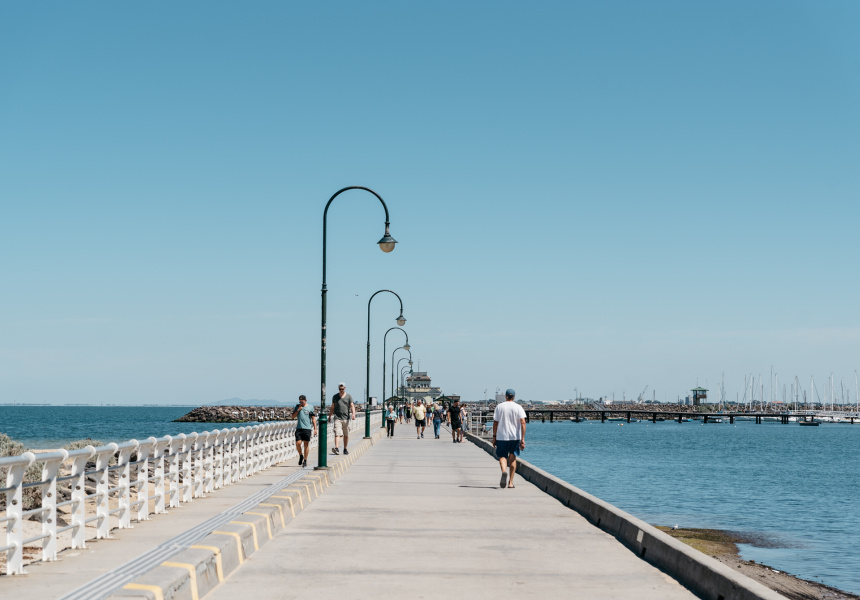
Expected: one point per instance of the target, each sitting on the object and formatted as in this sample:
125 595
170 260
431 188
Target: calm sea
52 426
797 487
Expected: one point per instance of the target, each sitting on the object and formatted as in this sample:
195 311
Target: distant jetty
236 414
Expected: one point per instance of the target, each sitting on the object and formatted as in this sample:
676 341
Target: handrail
168 472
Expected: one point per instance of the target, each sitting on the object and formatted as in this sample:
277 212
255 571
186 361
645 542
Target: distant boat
714 420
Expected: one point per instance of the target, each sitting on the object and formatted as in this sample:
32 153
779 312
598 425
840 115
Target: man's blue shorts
505 448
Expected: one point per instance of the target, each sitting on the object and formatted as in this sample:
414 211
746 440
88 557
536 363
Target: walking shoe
345 451
419 437
301 459
422 435
335 451
503 482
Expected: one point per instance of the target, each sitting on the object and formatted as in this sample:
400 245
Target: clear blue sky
589 195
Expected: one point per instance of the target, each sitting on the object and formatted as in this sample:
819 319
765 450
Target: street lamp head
407 347
387 242
401 320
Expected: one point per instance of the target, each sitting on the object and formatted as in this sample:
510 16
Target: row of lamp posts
386 244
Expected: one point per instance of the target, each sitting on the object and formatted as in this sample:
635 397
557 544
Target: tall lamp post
400 321
386 244
402 371
393 371
398 366
384 341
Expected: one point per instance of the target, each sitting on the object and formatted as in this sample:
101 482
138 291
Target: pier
604 414
395 518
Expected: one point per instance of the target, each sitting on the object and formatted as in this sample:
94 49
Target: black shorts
456 425
420 422
303 435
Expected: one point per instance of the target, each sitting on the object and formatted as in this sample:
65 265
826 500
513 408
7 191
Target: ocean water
44 427
797 487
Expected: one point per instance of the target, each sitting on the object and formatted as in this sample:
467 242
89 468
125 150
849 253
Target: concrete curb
194 572
703 575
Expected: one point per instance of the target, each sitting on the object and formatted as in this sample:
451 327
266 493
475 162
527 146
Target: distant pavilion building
418 386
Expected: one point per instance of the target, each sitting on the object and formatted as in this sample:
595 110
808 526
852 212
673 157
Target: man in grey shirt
343 410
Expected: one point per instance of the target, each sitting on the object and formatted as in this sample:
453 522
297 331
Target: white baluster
143 451
188 468
16 466
79 495
103 456
125 449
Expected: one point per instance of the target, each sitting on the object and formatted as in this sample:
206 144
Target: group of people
509 425
340 413
453 414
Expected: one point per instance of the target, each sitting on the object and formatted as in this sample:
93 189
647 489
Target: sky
589 197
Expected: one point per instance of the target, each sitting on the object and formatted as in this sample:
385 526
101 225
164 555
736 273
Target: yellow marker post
192 575
238 539
219 565
267 516
280 510
253 531
159 595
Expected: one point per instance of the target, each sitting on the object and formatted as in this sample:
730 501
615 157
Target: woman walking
390 419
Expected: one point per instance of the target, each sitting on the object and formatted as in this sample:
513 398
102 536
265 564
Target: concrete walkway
426 519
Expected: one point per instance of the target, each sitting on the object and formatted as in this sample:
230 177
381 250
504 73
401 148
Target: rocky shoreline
236 414
722 545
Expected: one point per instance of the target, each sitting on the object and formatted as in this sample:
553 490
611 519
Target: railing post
143 478
161 447
125 449
229 455
103 456
49 501
240 453
14 508
177 444
209 461
199 469
79 495
220 443
188 467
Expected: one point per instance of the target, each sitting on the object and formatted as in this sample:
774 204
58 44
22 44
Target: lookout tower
699 394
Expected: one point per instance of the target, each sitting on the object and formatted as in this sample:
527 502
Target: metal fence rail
133 480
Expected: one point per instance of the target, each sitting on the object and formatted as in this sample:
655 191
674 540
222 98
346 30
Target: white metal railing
481 425
133 480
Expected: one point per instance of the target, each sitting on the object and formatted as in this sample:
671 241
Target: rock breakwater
236 414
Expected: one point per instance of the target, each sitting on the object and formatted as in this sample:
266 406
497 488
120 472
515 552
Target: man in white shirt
509 436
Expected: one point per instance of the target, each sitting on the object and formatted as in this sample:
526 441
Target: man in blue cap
509 436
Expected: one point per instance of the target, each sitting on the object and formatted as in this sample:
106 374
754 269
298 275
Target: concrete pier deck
426 519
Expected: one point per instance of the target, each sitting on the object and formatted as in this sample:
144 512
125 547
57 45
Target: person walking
390 420
400 413
464 420
408 410
419 412
343 409
509 436
304 414
438 415
454 420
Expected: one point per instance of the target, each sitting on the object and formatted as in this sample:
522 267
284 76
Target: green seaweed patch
713 542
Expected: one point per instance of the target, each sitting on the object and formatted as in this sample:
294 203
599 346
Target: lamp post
398 366
405 346
402 371
386 244
400 321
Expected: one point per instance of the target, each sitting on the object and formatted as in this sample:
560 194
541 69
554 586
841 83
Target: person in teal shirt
306 420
